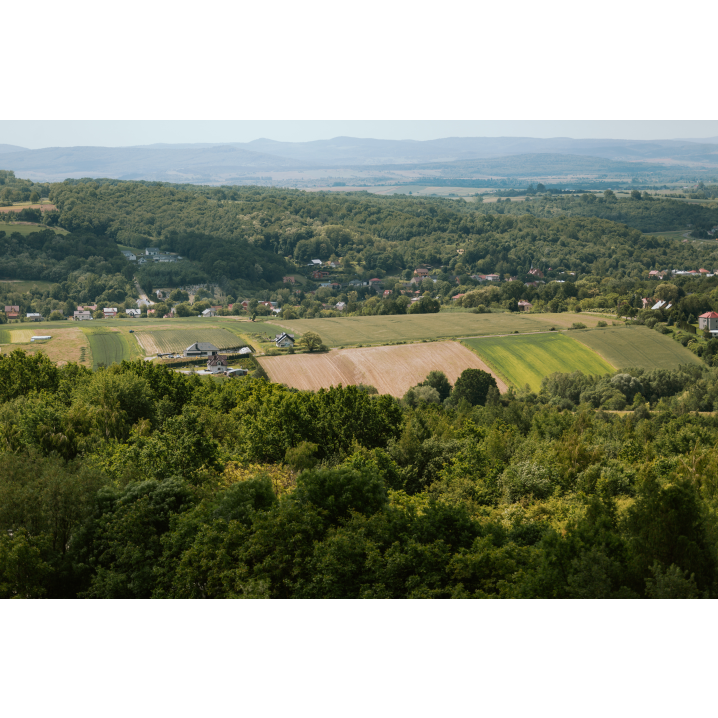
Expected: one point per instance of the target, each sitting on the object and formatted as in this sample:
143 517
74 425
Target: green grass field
164 341
527 359
350 331
108 348
639 347
5 337
23 285
25 229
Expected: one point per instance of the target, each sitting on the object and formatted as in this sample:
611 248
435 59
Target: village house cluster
151 254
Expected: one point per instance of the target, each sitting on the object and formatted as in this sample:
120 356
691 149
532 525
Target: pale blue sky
110 133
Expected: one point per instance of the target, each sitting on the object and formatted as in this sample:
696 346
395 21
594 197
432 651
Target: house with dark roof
284 340
201 349
217 363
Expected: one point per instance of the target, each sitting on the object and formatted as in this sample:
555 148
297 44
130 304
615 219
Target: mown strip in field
636 347
528 359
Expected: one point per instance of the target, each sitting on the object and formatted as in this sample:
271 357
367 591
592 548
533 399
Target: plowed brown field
392 370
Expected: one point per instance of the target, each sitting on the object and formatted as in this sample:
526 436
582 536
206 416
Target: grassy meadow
23 285
527 359
639 347
25 229
353 331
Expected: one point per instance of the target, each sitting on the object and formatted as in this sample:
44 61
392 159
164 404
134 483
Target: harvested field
66 345
528 359
165 341
392 370
639 347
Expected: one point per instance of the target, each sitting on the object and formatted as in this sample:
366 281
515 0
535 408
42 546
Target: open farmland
108 348
392 370
26 228
636 346
67 344
165 341
348 331
20 336
528 359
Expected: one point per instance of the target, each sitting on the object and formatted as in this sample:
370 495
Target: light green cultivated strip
350 331
528 359
107 348
636 347
5 337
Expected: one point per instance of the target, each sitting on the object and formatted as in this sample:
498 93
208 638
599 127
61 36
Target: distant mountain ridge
450 156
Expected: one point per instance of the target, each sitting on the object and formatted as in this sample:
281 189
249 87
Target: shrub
602 324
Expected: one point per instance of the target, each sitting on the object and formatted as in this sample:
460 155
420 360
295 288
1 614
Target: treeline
246 232
137 482
643 211
14 189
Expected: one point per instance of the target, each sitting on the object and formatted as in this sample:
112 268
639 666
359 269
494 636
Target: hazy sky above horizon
35 134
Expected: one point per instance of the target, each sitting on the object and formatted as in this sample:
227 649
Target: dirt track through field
392 370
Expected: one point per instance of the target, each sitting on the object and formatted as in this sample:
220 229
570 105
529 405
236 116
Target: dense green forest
643 211
137 482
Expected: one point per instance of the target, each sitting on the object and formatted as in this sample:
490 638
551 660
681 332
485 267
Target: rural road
144 299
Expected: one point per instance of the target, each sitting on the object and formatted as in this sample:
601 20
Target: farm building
40 338
237 372
708 321
209 312
217 363
525 306
34 317
82 316
201 349
421 272
133 312
152 251
110 312
284 340
131 256
12 311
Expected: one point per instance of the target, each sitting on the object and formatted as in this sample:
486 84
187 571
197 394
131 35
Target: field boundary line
489 364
